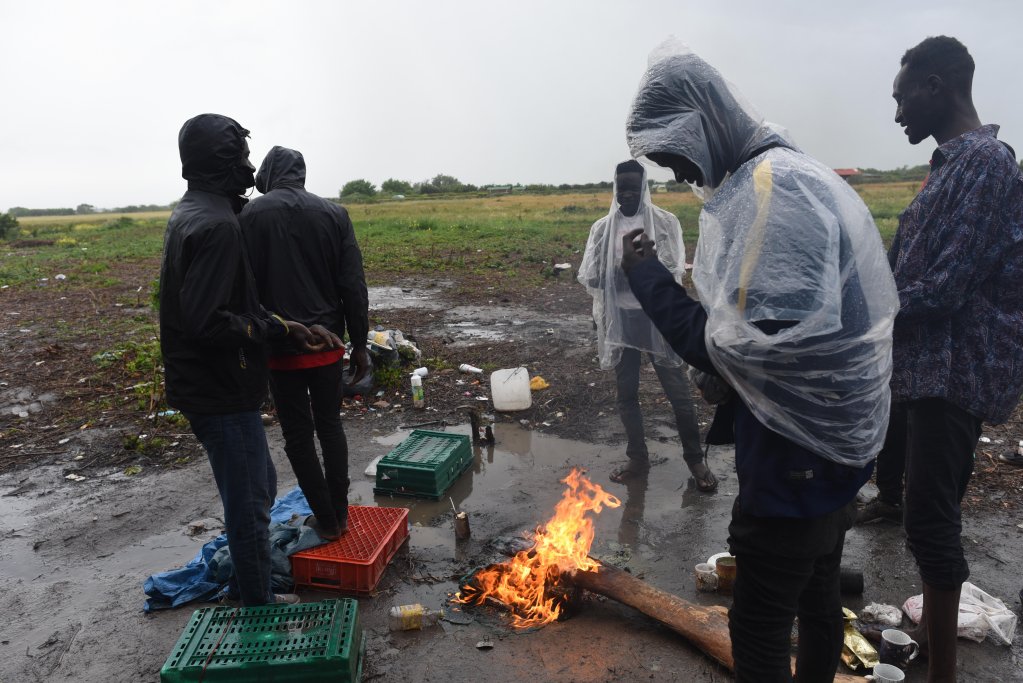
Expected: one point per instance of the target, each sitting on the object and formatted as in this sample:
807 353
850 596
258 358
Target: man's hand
360 359
331 340
303 337
636 247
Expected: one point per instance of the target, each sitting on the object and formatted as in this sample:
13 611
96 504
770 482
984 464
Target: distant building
847 172
499 189
658 187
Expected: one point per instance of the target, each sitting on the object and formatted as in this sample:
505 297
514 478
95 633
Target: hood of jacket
215 155
281 166
684 106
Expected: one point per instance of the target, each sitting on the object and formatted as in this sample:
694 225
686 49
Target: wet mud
74 554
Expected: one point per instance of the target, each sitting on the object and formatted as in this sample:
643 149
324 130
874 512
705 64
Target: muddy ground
74 552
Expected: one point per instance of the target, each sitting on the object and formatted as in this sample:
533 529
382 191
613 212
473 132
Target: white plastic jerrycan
509 389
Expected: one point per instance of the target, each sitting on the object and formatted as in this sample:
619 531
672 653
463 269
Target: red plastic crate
355 562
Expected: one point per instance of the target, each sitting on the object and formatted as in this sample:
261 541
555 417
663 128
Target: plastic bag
980 615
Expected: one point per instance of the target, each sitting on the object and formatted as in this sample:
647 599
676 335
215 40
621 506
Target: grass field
490 234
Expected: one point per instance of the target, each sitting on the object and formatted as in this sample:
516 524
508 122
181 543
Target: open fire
528 584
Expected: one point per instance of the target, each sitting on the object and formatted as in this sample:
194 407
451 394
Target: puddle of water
383 298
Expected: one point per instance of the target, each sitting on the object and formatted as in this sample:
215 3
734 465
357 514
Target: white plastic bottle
412 617
418 399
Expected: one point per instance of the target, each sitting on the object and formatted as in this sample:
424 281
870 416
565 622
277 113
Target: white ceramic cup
886 673
706 578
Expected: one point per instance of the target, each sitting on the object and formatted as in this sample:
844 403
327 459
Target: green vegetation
80 248
515 233
8 223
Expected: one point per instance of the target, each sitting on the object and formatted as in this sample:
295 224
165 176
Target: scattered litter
371 469
538 383
472 369
75 477
60 276
167 413
857 652
877 613
381 405
78 457
524 422
412 617
485 645
980 615
984 439
63 441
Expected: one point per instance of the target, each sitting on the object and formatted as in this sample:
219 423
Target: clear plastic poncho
621 322
789 266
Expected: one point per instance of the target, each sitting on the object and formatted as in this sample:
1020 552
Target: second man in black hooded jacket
308 268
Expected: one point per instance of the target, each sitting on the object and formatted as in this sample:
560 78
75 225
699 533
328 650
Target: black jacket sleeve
352 285
216 277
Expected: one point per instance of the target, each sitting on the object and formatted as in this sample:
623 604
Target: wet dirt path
73 555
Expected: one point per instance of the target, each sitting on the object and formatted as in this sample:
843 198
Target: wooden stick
704 627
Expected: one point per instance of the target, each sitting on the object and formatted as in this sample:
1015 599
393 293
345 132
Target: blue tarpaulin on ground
205 577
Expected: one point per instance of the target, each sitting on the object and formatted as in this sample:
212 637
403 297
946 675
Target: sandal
628 472
707 482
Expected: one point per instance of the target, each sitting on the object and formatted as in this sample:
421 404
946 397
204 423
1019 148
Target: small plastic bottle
418 399
412 617
471 369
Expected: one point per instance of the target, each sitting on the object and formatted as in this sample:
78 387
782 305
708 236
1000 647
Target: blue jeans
236 446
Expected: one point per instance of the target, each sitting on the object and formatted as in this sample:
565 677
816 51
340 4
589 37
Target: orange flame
524 583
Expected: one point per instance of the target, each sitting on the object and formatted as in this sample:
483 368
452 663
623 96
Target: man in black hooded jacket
308 267
213 332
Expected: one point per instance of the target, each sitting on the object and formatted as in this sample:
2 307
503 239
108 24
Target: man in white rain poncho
624 332
795 313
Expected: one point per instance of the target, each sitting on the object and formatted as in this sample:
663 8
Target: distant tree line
362 190
85 209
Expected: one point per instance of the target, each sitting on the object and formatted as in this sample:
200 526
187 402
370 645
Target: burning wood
530 584
539 584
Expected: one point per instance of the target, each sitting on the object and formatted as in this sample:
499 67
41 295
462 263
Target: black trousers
309 400
941 438
787 567
891 461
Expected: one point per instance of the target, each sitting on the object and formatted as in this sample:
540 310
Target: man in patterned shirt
958 338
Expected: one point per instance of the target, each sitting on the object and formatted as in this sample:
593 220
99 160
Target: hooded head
630 183
281 166
688 117
215 155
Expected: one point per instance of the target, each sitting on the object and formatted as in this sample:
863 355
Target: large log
704 627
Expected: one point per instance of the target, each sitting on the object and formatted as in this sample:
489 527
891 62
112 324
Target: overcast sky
533 92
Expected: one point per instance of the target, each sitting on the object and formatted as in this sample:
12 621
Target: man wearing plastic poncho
624 332
795 313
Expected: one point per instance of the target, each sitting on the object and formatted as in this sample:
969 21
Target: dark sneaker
877 510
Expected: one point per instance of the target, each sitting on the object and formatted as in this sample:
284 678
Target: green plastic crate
307 642
424 465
